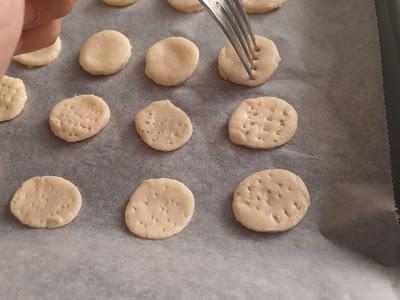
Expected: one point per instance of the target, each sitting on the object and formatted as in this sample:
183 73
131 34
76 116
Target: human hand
29 25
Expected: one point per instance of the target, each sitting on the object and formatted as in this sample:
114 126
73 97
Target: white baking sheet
347 247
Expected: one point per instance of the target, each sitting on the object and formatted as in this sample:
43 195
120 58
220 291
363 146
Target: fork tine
245 19
229 9
221 19
236 10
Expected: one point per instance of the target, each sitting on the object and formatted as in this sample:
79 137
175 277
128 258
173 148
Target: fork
232 17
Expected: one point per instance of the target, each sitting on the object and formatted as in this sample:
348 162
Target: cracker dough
271 201
163 126
12 97
230 67
186 6
262 6
78 118
171 61
119 2
105 53
46 202
262 123
159 208
40 57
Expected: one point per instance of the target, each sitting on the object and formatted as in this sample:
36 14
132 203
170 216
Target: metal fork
232 17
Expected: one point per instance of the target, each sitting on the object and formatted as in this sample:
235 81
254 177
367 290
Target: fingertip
39 37
43 11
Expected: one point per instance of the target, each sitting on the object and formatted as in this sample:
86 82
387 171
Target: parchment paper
347 247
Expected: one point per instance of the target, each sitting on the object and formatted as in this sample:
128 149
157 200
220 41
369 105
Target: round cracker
171 61
159 208
273 200
119 3
46 202
105 53
12 97
163 126
186 6
263 123
262 6
78 118
40 58
230 66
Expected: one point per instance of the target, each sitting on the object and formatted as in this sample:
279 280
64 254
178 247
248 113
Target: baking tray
389 31
347 246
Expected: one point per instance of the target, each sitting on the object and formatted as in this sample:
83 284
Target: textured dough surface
119 2
46 202
262 6
12 97
104 53
40 57
159 208
171 61
271 201
230 67
163 126
186 6
263 123
78 118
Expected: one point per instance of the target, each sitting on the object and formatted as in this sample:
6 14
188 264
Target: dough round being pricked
230 67
262 6
104 53
119 3
12 97
263 123
46 202
186 6
78 118
171 61
163 126
159 209
273 200
40 58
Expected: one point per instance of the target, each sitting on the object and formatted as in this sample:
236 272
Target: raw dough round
119 2
262 123
159 208
104 53
262 6
78 118
186 6
40 57
230 67
46 202
171 61
271 201
163 126
12 97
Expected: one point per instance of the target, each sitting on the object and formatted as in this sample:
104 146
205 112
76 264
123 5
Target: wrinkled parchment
347 247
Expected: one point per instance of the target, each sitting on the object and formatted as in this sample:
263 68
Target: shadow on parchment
356 217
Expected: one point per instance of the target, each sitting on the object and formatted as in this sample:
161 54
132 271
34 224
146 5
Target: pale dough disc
263 123
163 126
231 68
171 61
262 6
119 2
104 53
186 6
159 208
40 57
46 202
78 118
271 201
12 97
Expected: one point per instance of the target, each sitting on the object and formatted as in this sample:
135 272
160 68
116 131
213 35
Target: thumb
11 21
